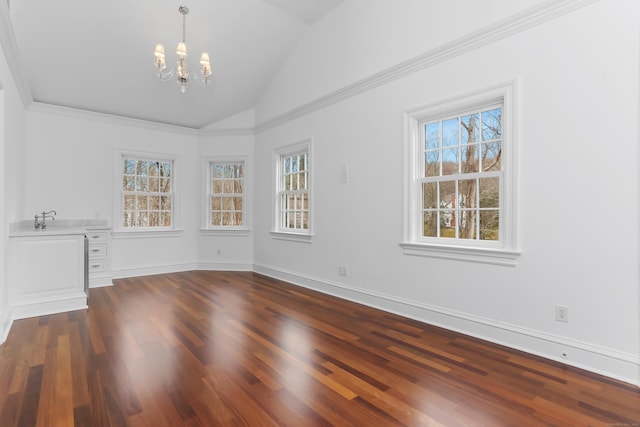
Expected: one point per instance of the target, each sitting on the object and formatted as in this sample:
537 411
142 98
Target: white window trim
504 252
277 232
121 232
206 228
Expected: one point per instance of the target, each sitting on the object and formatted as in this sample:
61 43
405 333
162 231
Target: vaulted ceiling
98 56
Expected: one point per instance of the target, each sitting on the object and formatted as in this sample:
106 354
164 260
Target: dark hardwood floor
241 349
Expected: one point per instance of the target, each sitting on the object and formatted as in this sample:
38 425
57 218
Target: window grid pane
226 194
147 196
461 182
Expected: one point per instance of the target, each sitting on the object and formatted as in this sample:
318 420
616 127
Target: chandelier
182 73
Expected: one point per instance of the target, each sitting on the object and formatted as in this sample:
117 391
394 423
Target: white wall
228 250
578 112
231 138
12 129
4 291
70 169
362 37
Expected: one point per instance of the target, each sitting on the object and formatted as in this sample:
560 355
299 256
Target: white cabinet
99 270
46 274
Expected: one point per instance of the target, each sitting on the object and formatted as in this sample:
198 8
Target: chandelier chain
184 26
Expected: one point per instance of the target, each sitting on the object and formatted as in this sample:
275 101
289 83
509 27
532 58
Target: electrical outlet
342 270
562 313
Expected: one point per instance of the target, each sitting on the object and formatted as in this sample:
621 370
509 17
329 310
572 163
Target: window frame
118 197
501 252
278 231
207 227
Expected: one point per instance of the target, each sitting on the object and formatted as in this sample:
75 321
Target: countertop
59 227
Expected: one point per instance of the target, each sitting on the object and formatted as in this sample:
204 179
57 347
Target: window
226 194
459 180
294 191
147 193
293 195
462 175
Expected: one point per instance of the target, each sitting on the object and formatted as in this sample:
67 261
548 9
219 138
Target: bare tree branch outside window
461 184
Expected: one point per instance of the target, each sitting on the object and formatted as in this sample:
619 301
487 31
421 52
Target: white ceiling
98 55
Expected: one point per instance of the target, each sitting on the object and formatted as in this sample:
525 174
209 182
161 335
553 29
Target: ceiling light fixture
183 76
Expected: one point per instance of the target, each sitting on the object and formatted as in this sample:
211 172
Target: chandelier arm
165 76
200 79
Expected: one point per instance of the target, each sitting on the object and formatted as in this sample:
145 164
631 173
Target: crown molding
500 30
226 132
77 113
10 49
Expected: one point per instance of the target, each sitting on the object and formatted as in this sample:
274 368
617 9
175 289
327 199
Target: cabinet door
45 272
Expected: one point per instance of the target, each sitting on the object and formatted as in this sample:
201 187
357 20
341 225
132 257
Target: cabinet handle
95 237
95 265
95 250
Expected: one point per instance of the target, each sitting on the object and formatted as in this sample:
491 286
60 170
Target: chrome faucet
42 225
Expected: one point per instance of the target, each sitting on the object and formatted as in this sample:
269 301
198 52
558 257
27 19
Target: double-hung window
462 175
459 200
145 198
147 193
293 190
226 188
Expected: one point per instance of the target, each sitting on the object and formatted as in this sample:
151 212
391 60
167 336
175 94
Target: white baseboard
608 362
225 266
152 270
6 320
76 301
178 268
100 281
101 284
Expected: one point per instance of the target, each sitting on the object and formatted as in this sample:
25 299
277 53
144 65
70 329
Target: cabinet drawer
97 266
97 237
97 251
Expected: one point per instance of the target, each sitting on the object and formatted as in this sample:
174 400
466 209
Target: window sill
460 253
225 232
292 237
139 234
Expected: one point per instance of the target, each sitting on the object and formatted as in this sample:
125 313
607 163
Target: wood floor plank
47 403
80 355
63 383
31 398
99 410
208 348
11 415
